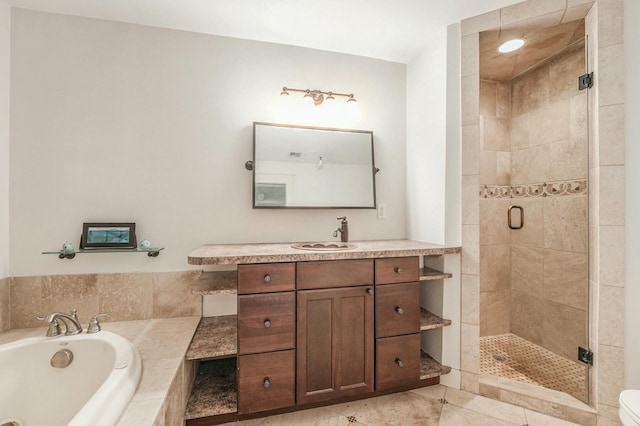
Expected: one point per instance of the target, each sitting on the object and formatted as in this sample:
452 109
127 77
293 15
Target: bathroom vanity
313 327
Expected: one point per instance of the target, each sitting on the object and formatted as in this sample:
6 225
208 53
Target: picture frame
102 235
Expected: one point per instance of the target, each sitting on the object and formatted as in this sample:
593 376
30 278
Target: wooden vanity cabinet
335 332
266 337
312 333
397 322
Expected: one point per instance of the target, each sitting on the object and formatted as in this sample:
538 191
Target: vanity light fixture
511 45
318 96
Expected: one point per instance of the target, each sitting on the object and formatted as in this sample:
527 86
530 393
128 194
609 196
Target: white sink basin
325 246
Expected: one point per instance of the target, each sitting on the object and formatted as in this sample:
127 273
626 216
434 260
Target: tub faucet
71 323
344 230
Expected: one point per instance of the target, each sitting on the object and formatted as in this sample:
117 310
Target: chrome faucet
71 323
344 230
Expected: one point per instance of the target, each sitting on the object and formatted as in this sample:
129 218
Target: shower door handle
509 213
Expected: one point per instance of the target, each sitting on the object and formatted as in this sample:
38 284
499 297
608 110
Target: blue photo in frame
108 235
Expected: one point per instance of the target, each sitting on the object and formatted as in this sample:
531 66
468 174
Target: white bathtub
93 390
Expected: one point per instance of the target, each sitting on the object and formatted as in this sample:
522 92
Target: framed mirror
312 167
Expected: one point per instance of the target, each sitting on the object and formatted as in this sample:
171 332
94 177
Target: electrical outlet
382 211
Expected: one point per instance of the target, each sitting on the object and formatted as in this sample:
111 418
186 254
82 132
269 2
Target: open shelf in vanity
214 397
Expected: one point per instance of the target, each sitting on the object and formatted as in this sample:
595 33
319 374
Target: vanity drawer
334 273
266 278
397 309
266 322
266 381
397 270
397 361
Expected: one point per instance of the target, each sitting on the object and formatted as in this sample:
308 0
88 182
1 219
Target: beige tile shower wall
129 296
470 232
4 304
549 255
495 168
607 154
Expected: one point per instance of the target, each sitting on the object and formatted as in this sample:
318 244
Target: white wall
632 169
5 36
426 142
120 122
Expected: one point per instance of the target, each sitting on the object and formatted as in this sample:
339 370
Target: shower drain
499 358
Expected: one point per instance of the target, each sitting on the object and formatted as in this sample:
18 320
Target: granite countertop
228 254
162 344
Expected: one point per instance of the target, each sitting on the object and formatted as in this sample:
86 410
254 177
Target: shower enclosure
534 298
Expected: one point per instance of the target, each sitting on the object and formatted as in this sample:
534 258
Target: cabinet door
397 270
266 278
265 381
266 322
334 273
397 361
397 309
335 343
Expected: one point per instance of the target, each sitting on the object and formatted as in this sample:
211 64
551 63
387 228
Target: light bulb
511 45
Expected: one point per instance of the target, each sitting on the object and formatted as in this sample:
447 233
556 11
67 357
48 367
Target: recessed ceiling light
511 45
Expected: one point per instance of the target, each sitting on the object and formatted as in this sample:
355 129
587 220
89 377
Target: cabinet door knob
266 382
399 270
399 310
400 362
267 323
370 291
267 278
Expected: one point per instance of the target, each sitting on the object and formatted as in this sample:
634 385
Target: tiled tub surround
166 377
4 304
130 296
604 28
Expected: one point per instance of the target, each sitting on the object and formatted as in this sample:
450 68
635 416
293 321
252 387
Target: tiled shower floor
512 357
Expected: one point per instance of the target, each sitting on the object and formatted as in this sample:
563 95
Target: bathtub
94 389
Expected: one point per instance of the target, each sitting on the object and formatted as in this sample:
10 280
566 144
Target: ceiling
540 44
390 30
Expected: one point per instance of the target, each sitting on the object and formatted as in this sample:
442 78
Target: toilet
630 407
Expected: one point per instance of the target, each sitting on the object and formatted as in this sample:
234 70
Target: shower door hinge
585 355
585 81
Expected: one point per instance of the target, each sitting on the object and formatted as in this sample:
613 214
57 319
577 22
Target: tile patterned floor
513 357
432 406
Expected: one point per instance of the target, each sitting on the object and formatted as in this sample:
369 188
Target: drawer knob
400 362
266 383
399 270
267 278
370 291
399 310
267 323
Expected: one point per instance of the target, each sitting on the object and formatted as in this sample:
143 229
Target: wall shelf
151 252
430 368
429 320
214 391
215 337
428 274
216 282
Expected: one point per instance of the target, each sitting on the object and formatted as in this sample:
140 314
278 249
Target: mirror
312 167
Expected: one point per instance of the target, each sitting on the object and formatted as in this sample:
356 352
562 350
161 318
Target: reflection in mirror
312 167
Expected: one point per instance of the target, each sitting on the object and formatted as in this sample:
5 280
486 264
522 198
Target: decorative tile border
533 190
